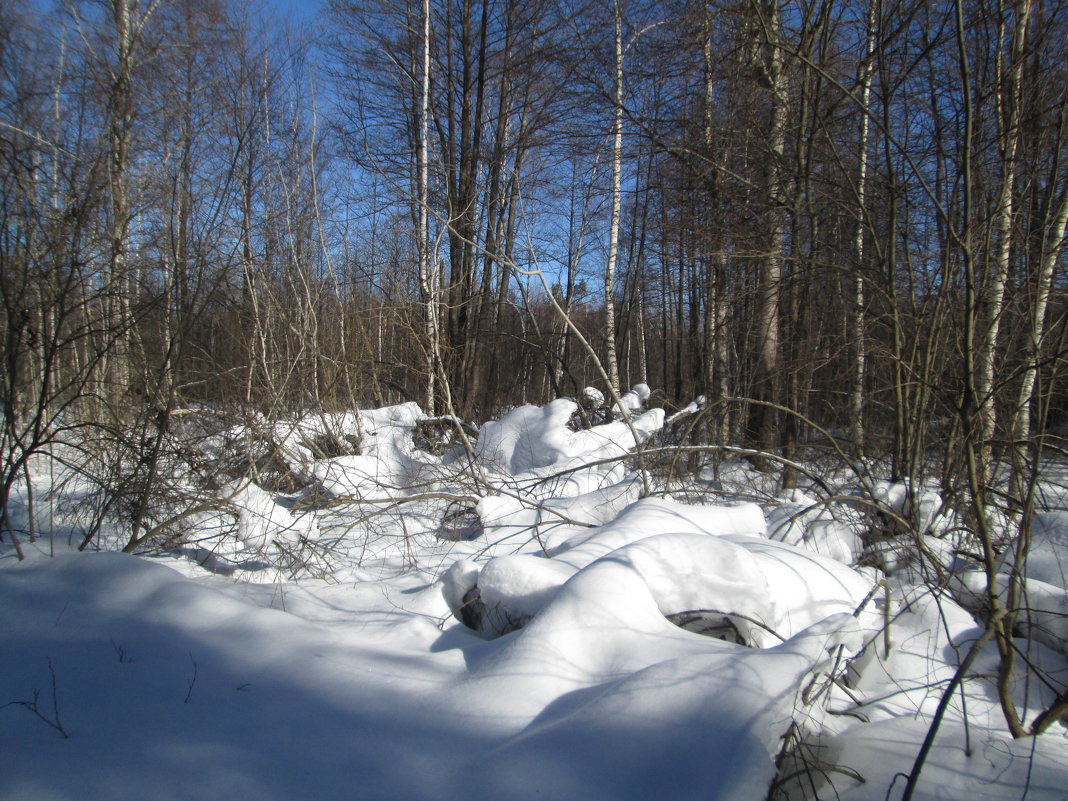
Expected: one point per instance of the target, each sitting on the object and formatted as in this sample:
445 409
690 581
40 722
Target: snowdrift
581 640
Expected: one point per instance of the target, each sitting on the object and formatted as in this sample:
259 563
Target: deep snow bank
172 687
587 677
706 560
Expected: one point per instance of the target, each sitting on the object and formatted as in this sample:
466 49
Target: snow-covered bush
710 562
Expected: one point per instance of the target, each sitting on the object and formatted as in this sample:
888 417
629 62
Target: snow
633 400
1048 555
175 687
171 689
388 462
533 450
997 768
826 529
260 519
707 560
553 654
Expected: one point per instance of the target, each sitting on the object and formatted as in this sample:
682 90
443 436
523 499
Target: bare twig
35 707
192 680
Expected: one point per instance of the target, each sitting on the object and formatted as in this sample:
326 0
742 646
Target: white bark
856 404
715 303
611 360
120 121
1009 99
427 271
1051 251
769 293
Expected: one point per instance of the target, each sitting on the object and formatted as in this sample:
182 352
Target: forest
832 214
241 248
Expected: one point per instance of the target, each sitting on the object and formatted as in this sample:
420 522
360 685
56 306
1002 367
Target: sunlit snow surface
176 683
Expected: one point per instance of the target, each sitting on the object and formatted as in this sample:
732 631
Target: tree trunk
768 379
427 261
611 359
1009 99
860 365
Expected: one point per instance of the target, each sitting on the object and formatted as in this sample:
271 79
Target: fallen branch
35 707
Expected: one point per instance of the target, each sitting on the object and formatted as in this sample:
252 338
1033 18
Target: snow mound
650 515
554 520
527 438
1047 559
829 529
600 683
706 563
388 463
994 768
576 669
197 691
261 520
1045 614
633 400
533 449
922 506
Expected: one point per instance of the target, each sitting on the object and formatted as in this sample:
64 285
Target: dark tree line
842 217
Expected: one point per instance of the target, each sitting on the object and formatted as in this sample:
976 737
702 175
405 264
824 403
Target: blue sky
299 8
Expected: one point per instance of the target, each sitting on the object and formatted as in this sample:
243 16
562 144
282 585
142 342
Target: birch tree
428 274
864 79
1008 97
770 61
611 359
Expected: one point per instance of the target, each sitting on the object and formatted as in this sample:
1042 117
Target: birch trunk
856 401
1009 99
716 353
116 368
426 260
1026 402
769 363
611 359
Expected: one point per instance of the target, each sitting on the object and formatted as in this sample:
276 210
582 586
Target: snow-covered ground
515 621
